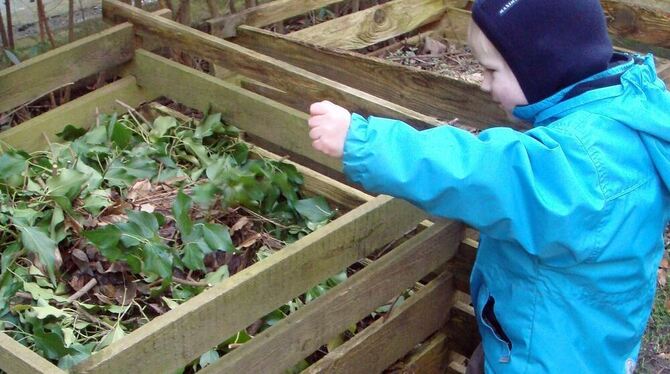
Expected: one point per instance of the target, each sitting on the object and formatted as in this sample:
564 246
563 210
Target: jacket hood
640 101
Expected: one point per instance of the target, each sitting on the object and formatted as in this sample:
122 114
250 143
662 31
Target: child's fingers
322 107
316 132
318 145
316 121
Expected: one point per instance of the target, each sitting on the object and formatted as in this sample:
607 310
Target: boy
571 213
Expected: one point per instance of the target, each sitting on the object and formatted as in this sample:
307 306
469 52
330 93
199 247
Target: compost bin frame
171 341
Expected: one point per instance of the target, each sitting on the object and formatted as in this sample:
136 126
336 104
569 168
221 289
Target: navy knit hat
548 44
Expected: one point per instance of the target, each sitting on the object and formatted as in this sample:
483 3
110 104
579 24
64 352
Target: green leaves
106 239
161 126
70 133
199 238
68 183
12 165
315 209
38 242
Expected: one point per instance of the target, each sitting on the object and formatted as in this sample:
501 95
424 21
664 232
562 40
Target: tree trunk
250 3
70 21
213 8
3 33
10 31
42 15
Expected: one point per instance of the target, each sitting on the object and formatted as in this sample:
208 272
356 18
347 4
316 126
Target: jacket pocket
493 333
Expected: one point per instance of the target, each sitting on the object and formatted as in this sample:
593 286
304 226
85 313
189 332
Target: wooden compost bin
171 341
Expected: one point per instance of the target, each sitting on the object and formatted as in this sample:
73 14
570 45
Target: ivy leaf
124 173
97 201
106 240
38 242
209 358
199 150
114 335
314 209
217 237
12 165
194 257
68 183
158 260
217 276
207 127
96 136
43 310
161 126
49 340
181 208
71 133
121 135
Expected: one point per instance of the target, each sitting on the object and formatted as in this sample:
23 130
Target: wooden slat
40 75
286 77
170 341
264 15
16 358
80 112
457 363
370 26
383 342
252 113
423 91
304 331
431 358
462 329
646 22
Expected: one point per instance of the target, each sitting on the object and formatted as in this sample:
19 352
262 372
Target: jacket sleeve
511 186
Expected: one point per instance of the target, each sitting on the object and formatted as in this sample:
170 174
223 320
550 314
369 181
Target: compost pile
439 56
119 224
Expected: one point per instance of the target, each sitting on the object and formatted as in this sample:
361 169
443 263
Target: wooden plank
79 112
264 15
286 77
431 357
423 91
370 26
15 358
251 112
462 329
172 340
642 21
304 331
458 363
40 75
385 341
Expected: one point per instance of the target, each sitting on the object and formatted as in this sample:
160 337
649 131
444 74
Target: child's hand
329 124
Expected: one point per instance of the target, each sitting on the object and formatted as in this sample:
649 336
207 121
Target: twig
131 110
388 314
187 282
90 317
87 287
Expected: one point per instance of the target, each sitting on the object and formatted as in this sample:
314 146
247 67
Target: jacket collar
553 107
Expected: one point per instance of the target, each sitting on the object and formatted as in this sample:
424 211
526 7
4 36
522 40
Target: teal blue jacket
571 215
